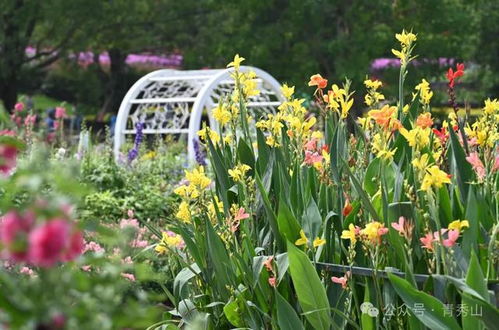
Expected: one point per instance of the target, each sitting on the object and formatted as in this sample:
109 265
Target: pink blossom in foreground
27 271
477 164
273 281
452 237
14 231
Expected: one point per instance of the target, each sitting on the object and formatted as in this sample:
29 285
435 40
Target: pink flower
311 145
47 242
30 120
496 164
130 214
477 164
128 260
14 230
128 276
27 271
56 125
93 246
8 154
342 280
86 268
76 245
452 237
399 226
382 231
129 223
60 112
19 106
241 214
311 158
427 241
273 281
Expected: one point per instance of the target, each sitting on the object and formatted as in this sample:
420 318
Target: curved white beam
209 79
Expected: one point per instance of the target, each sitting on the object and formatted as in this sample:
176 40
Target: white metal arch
173 102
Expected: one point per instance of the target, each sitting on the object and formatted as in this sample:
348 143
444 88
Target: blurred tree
123 27
48 27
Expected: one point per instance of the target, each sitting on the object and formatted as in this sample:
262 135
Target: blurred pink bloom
382 231
30 120
312 157
60 112
241 214
27 271
47 242
19 106
58 321
139 243
452 237
129 223
342 280
477 164
93 246
427 241
56 125
130 214
14 230
496 163
128 276
311 145
86 268
8 154
273 281
76 245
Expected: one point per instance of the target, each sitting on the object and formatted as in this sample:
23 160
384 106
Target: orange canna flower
385 117
424 120
317 80
347 209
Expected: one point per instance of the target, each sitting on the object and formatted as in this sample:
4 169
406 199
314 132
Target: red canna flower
317 80
453 75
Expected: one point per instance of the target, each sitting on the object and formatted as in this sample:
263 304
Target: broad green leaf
309 289
432 312
367 321
311 220
287 319
476 281
232 312
287 223
184 276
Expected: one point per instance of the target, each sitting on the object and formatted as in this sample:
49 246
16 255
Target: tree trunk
116 84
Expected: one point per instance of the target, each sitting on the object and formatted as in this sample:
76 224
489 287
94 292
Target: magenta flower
60 113
14 230
312 157
19 107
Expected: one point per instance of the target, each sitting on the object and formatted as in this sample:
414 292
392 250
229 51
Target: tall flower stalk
139 136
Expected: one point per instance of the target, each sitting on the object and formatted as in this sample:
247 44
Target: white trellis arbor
173 102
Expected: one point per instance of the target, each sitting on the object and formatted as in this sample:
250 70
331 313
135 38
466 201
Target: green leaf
311 220
287 223
432 312
287 319
462 169
367 321
476 281
184 276
309 289
232 312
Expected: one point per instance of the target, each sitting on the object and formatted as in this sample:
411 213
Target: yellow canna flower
221 114
491 106
417 137
287 91
205 132
236 62
406 38
458 225
318 242
184 213
350 234
238 173
425 94
421 163
198 178
372 84
373 231
302 240
434 177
